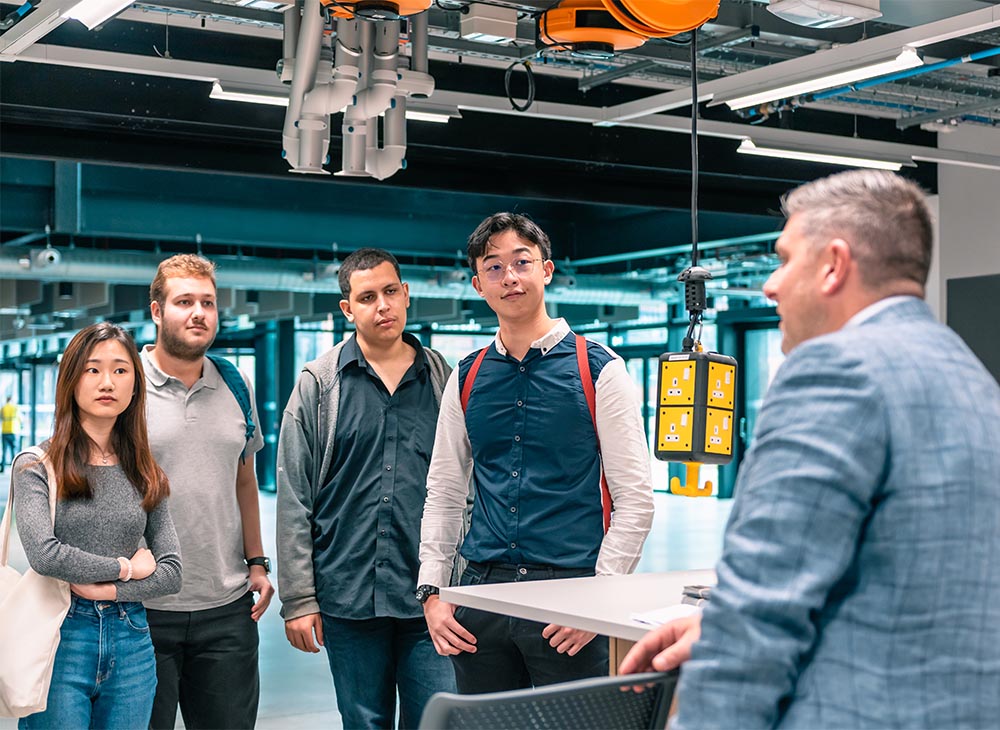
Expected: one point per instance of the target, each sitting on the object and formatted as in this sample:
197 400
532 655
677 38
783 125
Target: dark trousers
10 444
511 652
206 661
371 659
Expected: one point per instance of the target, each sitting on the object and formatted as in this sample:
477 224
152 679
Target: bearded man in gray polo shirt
205 636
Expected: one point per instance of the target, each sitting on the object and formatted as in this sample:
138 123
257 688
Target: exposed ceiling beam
945 115
45 17
850 146
813 64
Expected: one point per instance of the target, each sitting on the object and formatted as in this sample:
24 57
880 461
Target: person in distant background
11 428
111 495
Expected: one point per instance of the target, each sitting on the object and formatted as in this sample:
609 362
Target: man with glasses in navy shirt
518 420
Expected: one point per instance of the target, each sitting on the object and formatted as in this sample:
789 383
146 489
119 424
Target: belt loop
121 610
72 605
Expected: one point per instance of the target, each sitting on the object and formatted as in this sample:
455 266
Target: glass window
762 360
457 346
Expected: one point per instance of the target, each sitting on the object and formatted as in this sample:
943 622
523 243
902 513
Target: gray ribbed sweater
91 534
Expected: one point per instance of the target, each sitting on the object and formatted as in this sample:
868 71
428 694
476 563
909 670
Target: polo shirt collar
544 343
210 377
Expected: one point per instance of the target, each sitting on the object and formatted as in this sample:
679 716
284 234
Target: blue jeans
371 658
104 674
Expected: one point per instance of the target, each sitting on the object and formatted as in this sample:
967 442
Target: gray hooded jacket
305 451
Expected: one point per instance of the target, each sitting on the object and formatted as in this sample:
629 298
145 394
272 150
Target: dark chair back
601 703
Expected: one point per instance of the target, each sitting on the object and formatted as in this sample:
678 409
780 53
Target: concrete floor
296 688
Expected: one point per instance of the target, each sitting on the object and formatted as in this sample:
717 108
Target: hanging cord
694 147
531 85
695 276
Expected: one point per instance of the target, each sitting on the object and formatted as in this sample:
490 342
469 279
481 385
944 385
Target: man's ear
549 268
345 307
477 286
155 312
406 294
836 266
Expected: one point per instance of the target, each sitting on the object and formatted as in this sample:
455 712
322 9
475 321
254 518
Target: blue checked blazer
859 584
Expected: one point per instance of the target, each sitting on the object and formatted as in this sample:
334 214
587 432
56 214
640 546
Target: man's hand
95 591
299 632
664 648
448 635
566 640
260 584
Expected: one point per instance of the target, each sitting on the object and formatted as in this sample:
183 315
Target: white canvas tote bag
32 609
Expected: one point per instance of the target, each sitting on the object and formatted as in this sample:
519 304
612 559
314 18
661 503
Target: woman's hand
143 564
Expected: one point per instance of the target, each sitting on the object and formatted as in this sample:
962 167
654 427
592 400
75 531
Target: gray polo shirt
197 437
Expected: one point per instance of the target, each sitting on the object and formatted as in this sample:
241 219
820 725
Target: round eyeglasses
496 271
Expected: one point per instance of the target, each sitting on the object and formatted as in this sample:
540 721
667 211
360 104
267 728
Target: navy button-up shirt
367 515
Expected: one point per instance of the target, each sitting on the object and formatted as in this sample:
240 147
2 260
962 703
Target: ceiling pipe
355 126
375 98
329 98
291 20
427 282
419 26
304 78
389 158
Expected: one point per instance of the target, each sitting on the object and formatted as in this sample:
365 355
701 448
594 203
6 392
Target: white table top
602 604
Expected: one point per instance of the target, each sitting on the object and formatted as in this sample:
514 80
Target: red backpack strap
470 378
583 362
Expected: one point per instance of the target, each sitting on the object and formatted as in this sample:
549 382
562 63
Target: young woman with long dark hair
111 495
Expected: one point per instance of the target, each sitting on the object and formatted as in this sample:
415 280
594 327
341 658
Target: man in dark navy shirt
355 444
517 418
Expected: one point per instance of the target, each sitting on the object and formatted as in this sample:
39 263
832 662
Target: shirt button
513 509
385 499
521 368
517 438
522 571
382 533
388 468
513 544
514 474
520 403
390 437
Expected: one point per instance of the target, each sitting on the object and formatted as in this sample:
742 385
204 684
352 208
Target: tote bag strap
9 511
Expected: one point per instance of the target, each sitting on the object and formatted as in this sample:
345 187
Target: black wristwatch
262 561
424 592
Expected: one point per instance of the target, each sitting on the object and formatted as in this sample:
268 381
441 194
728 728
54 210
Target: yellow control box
696 399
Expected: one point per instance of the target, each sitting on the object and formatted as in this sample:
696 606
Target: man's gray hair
882 216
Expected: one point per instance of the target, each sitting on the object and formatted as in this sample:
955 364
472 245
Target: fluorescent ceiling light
94 12
908 58
428 111
747 147
825 13
251 95
428 117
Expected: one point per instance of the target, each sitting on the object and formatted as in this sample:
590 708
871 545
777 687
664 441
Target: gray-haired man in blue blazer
859 584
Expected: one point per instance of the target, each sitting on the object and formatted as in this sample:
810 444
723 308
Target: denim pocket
470 578
136 621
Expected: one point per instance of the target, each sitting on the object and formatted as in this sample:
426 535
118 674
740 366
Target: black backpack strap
238 387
